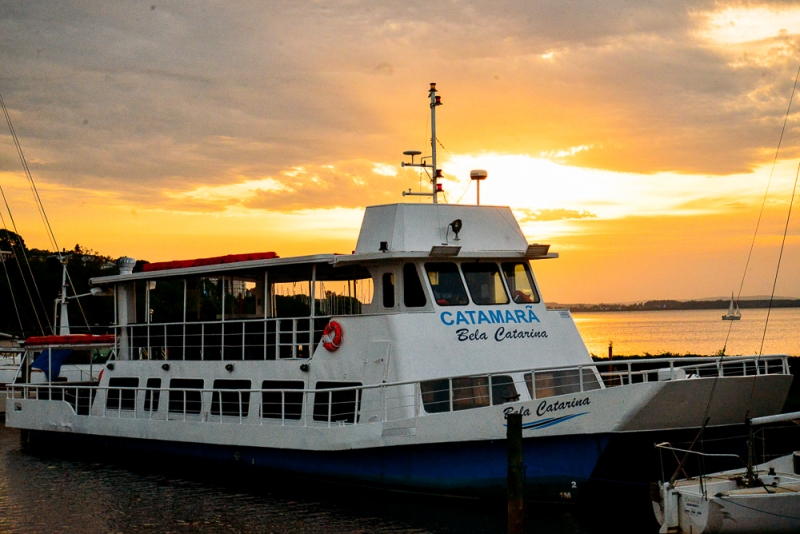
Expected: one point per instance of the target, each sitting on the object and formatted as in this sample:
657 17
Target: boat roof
71 340
388 232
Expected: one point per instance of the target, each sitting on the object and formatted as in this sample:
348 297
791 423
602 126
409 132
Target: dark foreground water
44 493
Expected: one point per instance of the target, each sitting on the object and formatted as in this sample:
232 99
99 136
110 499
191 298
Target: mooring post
515 472
610 349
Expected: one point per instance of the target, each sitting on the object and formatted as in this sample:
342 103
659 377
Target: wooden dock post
516 475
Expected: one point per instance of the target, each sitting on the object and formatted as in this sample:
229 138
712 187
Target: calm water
690 331
50 494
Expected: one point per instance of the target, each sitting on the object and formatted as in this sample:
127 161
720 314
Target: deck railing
359 404
240 339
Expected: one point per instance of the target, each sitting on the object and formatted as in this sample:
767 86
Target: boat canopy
70 339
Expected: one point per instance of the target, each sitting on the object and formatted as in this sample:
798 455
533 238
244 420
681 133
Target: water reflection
690 331
47 494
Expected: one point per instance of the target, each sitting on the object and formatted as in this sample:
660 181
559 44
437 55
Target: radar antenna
437 173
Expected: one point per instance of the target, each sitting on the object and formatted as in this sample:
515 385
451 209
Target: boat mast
63 320
437 173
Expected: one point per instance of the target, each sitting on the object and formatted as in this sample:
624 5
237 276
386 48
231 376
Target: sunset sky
635 137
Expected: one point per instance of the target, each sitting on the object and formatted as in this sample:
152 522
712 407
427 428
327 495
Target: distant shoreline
668 305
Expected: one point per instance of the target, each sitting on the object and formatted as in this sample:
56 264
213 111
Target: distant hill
661 305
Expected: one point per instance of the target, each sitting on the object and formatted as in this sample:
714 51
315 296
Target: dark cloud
119 96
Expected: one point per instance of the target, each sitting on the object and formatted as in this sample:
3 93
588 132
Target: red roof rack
70 339
199 262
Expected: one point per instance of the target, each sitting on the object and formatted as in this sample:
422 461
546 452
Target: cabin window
333 406
388 290
413 294
469 392
520 283
182 398
152 394
233 399
484 283
343 297
503 390
445 280
282 404
435 395
553 383
122 399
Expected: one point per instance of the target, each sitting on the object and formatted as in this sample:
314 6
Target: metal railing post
294 338
450 392
330 406
384 416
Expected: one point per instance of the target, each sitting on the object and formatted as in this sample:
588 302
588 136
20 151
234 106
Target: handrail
667 446
730 360
360 407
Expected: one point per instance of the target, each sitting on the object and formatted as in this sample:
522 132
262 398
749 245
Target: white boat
10 358
56 362
764 498
393 366
734 313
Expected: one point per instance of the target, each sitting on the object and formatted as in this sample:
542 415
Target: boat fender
332 336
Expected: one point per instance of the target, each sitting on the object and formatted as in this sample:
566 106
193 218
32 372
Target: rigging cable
706 416
8 278
40 207
31 184
763 202
774 284
19 266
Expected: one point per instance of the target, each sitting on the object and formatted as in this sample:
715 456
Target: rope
464 193
10 288
37 199
51 236
744 275
764 202
21 274
774 283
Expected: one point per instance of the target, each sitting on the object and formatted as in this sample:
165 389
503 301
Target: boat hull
571 468
557 468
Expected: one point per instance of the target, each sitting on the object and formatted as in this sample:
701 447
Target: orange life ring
332 336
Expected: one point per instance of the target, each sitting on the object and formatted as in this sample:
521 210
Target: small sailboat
734 313
761 498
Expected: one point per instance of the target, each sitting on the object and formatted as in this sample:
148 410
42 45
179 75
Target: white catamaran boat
393 366
734 313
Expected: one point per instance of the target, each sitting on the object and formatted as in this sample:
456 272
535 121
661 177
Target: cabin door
376 364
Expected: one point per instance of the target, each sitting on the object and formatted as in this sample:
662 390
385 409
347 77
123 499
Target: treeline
656 305
30 282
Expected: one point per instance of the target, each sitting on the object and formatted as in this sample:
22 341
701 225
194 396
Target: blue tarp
51 360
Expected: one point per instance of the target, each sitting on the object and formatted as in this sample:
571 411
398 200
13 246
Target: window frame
537 297
460 277
501 276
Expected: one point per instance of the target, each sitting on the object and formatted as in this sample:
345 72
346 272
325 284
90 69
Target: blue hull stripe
480 468
544 423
